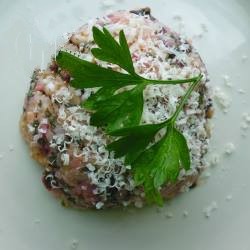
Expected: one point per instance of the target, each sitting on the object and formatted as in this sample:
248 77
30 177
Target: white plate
31 219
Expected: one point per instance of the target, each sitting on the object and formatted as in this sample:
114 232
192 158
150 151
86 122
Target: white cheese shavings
209 209
65 159
74 244
229 148
245 124
222 99
214 160
63 95
185 213
246 117
99 205
227 81
169 215
31 129
241 91
107 3
11 148
244 58
229 197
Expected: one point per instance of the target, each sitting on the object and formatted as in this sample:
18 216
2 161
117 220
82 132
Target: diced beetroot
39 87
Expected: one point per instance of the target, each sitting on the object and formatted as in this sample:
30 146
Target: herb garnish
120 113
160 163
114 111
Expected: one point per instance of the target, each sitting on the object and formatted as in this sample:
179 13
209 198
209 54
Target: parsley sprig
120 113
111 110
160 163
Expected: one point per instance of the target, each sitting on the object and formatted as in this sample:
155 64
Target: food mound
77 166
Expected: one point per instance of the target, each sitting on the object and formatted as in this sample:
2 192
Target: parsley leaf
153 166
162 162
101 95
90 75
134 141
120 110
111 51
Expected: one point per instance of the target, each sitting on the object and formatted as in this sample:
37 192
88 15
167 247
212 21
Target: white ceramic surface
31 219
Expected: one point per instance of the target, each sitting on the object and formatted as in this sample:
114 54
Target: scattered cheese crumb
125 203
241 91
229 197
65 159
209 209
229 148
244 58
222 99
244 126
90 167
169 215
99 205
246 117
214 160
107 3
185 213
227 81
11 148
207 174
74 244
246 121
30 128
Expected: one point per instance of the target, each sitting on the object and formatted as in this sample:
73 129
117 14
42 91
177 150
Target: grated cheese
209 209
229 197
169 215
99 205
65 159
222 99
185 213
229 148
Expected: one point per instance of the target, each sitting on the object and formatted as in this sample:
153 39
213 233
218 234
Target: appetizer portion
121 116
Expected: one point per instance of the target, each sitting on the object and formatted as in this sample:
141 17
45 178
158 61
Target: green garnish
114 111
120 113
160 163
